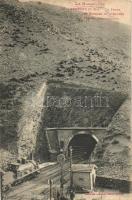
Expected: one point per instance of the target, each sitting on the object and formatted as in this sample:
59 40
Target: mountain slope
39 42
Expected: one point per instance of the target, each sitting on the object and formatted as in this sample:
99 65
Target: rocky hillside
46 41
40 42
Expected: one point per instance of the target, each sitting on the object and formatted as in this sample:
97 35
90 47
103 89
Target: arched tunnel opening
83 146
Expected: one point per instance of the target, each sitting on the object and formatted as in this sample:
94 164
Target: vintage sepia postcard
65 100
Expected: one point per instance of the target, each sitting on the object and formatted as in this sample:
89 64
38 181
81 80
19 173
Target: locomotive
21 169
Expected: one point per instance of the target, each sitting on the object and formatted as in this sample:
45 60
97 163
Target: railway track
38 185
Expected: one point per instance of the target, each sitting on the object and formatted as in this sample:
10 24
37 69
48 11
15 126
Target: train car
19 172
22 169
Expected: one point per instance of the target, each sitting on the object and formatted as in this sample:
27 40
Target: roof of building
83 167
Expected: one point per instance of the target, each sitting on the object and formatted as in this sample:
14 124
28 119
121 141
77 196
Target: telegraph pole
71 178
72 195
1 185
61 182
61 161
50 185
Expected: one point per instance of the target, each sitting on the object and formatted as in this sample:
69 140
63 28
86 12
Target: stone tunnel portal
82 146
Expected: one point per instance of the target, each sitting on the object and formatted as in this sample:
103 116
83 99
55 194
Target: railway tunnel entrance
82 139
82 146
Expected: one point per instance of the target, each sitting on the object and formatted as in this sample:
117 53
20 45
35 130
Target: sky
118 10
